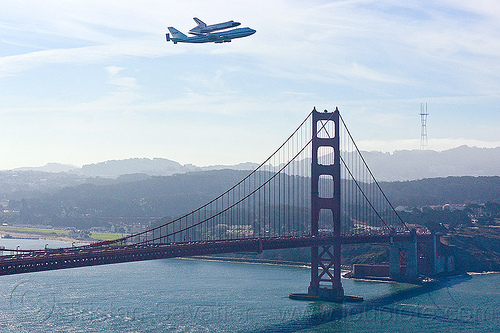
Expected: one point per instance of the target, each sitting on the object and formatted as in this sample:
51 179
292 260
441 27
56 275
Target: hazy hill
19 185
49 167
32 182
397 166
417 164
152 167
115 168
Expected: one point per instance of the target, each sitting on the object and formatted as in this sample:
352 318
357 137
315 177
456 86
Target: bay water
187 295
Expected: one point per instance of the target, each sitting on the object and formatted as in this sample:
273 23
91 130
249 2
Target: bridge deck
70 257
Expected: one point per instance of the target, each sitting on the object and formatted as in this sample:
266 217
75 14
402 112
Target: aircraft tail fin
199 22
176 33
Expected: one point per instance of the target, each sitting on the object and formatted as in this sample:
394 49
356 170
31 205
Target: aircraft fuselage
203 29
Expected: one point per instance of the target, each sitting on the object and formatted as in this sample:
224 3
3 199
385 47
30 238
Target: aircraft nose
252 31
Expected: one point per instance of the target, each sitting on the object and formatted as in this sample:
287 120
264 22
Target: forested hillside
146 197
88 205
440 191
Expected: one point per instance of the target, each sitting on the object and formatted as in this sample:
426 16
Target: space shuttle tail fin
199 22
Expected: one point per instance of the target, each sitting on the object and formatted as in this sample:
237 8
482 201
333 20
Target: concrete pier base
326 296
403 260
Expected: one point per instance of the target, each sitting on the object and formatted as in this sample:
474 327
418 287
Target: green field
105 236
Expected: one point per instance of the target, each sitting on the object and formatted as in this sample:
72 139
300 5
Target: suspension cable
242 199
371 174
123 239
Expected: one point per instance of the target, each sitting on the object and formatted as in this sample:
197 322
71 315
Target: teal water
182 295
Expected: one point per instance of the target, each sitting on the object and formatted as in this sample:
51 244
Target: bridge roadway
62 258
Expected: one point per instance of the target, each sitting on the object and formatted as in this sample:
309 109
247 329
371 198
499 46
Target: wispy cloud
124 83
376 60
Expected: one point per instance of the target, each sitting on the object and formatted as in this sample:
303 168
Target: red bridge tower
325 260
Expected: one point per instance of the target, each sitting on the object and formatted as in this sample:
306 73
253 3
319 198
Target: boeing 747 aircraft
202 28
218 37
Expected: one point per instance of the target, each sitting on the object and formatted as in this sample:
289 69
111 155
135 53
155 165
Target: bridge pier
403 260
328 259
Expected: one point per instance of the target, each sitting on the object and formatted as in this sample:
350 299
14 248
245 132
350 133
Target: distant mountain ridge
50 167
130 166
397 166
151 167
419 164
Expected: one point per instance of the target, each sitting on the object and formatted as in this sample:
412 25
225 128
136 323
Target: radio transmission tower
423 131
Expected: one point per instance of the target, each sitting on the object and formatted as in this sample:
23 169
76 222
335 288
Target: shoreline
344 268
482 273
252 261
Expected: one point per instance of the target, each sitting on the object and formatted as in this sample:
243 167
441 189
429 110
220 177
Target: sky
88 81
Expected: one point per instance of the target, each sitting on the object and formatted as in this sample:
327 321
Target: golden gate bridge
315 190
